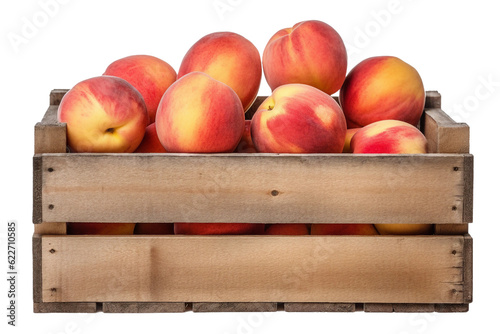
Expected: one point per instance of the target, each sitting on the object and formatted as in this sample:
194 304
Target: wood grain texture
320 307
37 268
50 135
333 269
399 308
64 307
261 188
143 307
235 307
468 269
432 99
443 134
56 96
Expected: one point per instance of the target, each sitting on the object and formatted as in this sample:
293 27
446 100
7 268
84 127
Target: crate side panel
253 188
335 269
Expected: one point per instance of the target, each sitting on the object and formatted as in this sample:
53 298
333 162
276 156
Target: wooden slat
64 307
50 228
143 307
37 268
235 307
443 134
264 188
432 99
467 268
50 136
400 308
320 307
333 269
56 96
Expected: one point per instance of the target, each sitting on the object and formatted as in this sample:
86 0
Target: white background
454 46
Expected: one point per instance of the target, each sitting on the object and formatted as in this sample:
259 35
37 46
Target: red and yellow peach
218 228
343 229
389 136
103 115
199 114
311 53
381 88
298 118
150 143
229 58
151 76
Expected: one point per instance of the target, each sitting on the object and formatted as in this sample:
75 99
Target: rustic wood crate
175 273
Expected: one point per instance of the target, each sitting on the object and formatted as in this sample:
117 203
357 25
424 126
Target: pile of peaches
141 104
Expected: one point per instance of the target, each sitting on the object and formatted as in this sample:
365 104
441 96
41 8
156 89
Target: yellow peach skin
103 115
404 229
298 118
100 228
381 88
389 136
151 76
199 114
348 137
229 58
311 52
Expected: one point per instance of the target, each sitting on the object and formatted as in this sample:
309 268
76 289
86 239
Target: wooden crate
175 273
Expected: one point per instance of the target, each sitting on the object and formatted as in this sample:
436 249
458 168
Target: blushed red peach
218 228
311 53
154 228
150 143
286 229
229 58
151 76
343 229
199 114
298 118
246 145
381 88
103 115
389 136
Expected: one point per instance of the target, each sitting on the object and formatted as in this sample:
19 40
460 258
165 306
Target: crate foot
65 307
320 307
235 307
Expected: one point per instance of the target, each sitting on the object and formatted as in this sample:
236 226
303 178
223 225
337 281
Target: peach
286 229
389 136
229 58
348 137
154 228
246 145
100 228
150 143
404 229
199 114
311 53
103 115
151 76
343 229
218 228
298 118
380 88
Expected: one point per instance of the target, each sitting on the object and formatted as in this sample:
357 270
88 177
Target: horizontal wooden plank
318 269
64 307
143 307
320 307
443 134
235 307
263 188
